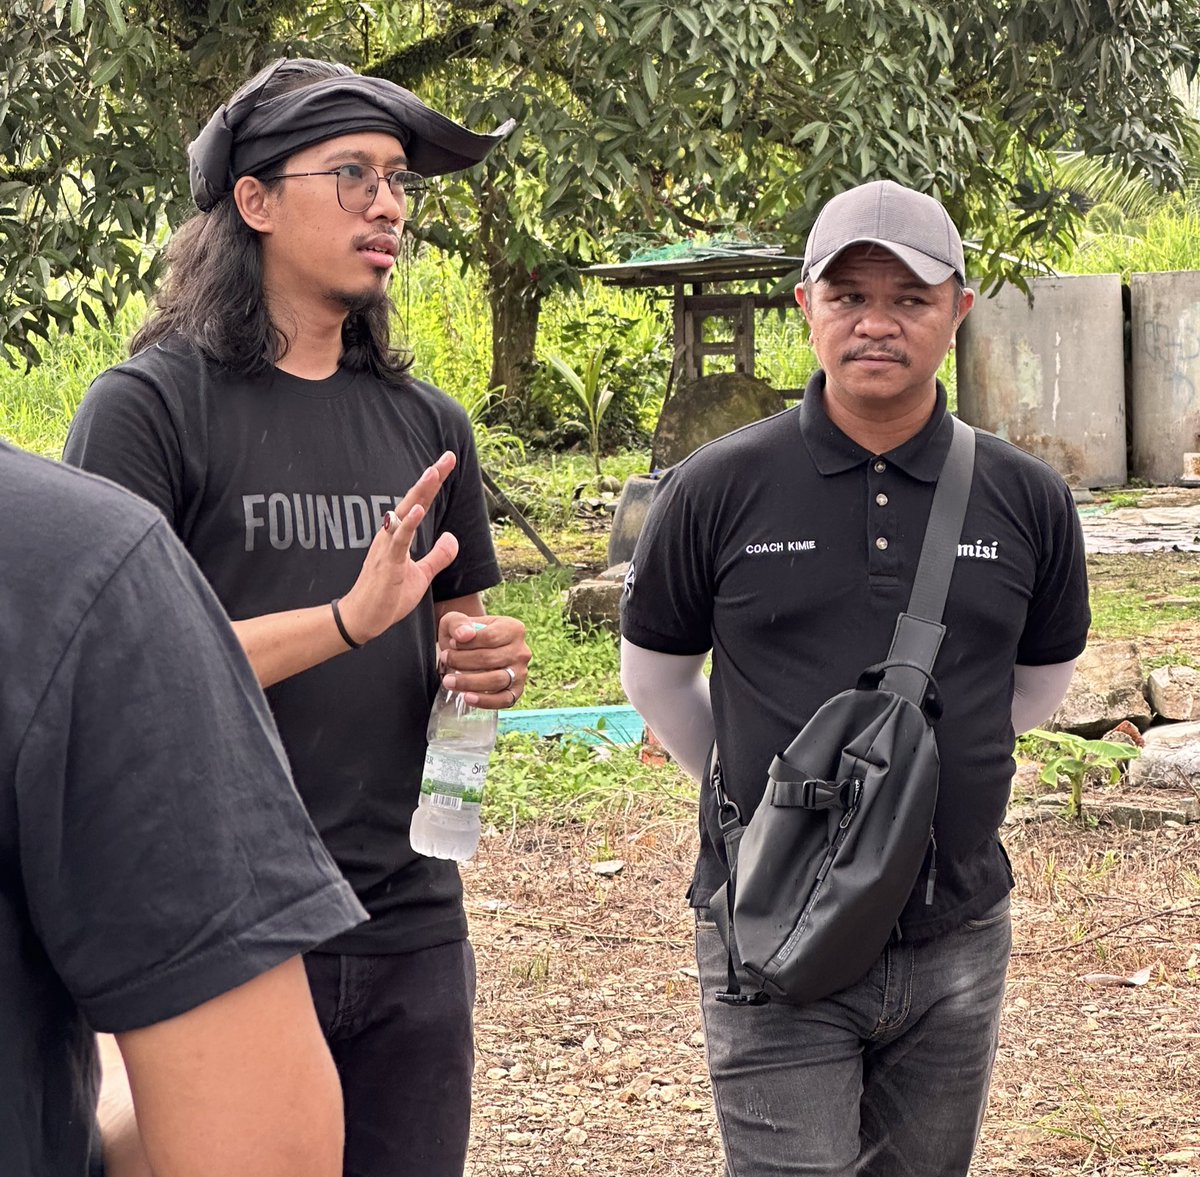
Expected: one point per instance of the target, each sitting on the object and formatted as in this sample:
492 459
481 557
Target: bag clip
758 997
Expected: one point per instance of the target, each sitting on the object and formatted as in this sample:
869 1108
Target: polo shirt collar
921 456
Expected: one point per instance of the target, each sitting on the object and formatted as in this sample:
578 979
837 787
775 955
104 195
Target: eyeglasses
358 185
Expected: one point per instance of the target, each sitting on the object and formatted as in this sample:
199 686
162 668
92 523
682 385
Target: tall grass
442 316
1168 239
36 406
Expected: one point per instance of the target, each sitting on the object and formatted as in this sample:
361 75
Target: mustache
876 351
363 238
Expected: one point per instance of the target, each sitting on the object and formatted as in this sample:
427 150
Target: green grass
568 780
1118 613
547 487
1174 655
37 406
1132 596
571 667
1168 239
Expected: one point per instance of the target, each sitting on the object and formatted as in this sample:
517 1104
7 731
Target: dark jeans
400 1031
887 1078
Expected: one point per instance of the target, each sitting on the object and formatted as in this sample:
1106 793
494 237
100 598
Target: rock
1105 691
636 496
1125 733
1143 814
596 602
1174 692
710 407
615 572
1170 759
637 1088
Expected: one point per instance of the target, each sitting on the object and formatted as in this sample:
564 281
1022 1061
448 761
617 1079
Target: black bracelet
337 620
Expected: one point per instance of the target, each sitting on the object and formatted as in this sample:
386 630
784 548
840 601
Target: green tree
638 119
646 118
97 99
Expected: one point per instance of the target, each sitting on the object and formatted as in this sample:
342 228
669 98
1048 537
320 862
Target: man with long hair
265 412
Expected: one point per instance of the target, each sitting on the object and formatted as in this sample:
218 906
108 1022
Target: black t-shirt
153 852
277 487
789 550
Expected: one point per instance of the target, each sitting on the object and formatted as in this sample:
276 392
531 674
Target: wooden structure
687 270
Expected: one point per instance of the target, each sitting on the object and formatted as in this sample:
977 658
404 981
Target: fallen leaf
1133 980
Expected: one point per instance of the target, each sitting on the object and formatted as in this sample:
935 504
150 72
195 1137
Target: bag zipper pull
932 869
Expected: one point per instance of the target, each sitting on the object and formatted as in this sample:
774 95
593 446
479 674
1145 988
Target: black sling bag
820 874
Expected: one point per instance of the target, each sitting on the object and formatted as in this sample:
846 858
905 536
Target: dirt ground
591 1059
590 1054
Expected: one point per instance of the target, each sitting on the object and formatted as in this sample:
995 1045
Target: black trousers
400 1031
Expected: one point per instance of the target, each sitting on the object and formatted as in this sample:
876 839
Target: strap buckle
757 997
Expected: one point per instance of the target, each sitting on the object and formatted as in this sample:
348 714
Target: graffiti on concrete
1175 346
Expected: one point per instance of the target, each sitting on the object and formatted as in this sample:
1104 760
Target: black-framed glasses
358 185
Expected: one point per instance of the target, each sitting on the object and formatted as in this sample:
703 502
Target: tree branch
413 64
33 174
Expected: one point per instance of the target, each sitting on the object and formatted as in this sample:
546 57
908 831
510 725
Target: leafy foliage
644 119
1078 758
592 394
97 99
637 120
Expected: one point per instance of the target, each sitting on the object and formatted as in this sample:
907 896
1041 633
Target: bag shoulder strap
940 547
919 630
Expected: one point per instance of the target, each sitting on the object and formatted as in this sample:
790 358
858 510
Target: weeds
36 406
1087 1123
565 779
1075 759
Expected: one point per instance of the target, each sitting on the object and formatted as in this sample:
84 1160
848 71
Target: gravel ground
590 1056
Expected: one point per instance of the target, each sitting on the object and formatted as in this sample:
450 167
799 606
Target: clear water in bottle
461 738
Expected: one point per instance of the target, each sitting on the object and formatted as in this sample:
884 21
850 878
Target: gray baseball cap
909 224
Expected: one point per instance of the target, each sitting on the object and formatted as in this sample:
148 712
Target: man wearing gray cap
266 413
787 549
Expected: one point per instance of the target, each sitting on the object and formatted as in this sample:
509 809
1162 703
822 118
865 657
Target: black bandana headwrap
247 137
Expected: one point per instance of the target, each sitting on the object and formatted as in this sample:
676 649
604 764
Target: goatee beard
360 301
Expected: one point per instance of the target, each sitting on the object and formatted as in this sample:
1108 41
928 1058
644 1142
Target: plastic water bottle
461 738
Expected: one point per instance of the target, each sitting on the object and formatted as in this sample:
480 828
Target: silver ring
512 677
514 697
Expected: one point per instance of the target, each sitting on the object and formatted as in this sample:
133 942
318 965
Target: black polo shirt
788 550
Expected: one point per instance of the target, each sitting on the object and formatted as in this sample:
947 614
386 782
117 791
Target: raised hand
391 582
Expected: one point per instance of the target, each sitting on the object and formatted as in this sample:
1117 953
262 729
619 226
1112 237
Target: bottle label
452 780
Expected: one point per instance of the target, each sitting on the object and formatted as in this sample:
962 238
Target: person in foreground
266 414
159 877
788 548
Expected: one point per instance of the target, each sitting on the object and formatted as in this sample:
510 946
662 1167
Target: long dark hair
212 291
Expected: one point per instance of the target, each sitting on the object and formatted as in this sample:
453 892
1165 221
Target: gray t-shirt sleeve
164 852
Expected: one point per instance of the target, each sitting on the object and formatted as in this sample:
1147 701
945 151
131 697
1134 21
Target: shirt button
881 500
881 544
880 467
